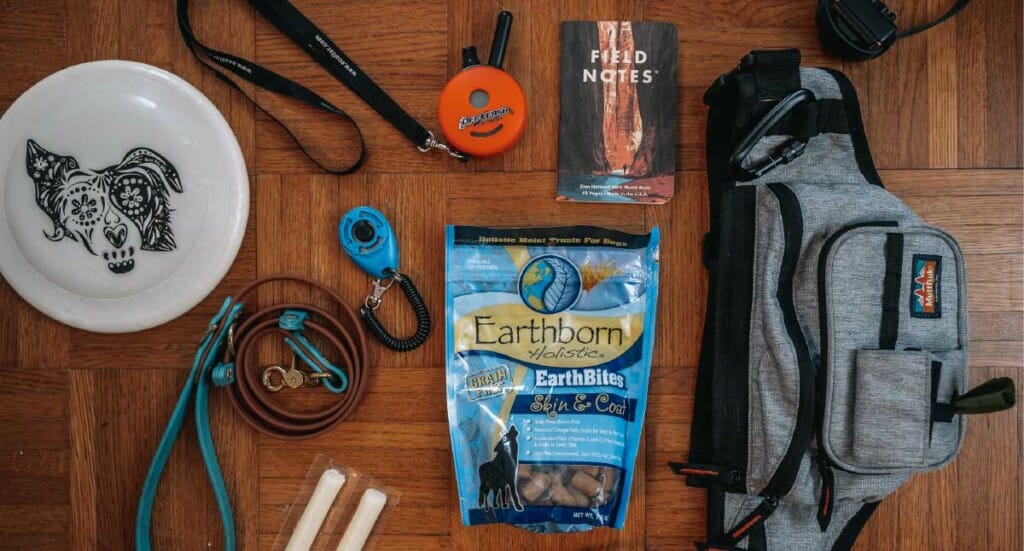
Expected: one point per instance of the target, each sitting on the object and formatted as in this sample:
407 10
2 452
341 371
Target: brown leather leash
226 358
251 394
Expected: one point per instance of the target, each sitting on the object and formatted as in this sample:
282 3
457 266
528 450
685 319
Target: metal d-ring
231 339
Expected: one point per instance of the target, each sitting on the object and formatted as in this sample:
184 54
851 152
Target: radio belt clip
367 239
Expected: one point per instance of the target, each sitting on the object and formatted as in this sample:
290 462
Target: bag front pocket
891 412
889 296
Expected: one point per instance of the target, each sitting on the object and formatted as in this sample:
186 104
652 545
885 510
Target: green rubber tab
988 397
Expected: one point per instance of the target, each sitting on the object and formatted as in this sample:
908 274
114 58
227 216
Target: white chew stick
316 510
370 506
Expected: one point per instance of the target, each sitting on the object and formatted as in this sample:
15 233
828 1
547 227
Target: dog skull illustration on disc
114 212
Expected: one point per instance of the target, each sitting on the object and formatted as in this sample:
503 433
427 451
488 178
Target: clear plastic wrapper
337 508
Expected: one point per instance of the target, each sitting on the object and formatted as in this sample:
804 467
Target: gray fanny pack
834 356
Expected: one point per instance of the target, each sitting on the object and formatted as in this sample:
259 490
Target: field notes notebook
617 129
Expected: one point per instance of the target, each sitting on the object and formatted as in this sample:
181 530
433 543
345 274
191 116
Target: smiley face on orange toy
482 111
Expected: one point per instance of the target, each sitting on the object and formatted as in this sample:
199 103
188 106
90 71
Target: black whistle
500 42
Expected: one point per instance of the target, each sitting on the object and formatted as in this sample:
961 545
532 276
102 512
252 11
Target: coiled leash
366 237
225 359
296 26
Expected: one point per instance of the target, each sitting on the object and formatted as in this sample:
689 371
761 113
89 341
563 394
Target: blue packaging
549 340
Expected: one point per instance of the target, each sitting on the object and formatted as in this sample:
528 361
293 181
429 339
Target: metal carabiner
784 154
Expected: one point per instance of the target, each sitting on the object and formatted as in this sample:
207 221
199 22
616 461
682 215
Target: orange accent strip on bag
743 529
699 471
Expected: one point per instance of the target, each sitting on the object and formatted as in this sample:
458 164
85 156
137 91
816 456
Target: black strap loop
705 476
292 23
419 307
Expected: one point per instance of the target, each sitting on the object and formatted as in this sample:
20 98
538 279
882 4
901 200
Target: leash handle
196 386
419 307
296 26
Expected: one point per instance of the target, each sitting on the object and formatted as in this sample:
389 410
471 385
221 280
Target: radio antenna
500 41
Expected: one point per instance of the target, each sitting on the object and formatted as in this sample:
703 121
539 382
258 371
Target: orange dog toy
482 110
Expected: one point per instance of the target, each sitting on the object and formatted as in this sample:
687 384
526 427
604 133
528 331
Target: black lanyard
290 21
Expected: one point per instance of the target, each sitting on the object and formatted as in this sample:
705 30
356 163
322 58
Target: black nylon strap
321 48
822 116
776 72
957 7
292 23
941 412
890 326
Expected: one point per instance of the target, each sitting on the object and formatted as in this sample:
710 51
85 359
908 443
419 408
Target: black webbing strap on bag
292 23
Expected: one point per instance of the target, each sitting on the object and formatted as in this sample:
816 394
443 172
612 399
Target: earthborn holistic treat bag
549 338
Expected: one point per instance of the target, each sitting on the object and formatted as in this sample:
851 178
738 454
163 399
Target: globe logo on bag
550 284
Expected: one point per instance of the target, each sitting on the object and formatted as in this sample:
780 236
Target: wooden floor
80 413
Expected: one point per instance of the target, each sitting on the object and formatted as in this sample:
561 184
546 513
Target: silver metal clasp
432 143
373 300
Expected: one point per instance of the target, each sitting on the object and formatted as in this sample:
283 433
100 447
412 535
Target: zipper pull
700 475
826 501
754 519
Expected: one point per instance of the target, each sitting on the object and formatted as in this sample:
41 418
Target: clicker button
363 231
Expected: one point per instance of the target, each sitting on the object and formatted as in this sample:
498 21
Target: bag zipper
826 466
792 222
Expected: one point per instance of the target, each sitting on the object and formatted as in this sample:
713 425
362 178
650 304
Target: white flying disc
124 196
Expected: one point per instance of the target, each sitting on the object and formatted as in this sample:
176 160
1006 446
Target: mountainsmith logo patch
925 299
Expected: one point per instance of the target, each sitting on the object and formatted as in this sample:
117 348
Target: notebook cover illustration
617 127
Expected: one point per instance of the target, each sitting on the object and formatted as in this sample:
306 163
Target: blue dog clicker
367 238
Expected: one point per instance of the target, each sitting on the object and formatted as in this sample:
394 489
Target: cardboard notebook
617 129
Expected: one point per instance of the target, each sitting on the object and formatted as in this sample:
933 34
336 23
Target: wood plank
943 112
34 483
108 474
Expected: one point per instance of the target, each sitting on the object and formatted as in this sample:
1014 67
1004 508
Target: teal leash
197 387
209 368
